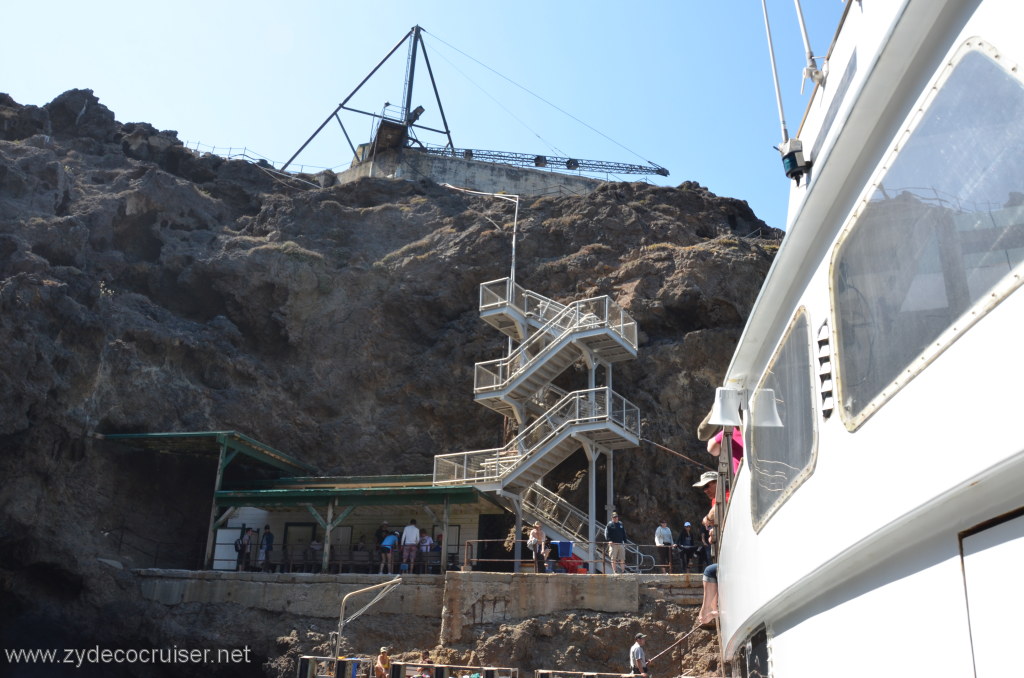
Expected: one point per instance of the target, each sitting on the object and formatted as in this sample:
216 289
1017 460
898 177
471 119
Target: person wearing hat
688 545
615 535
382 669
638 656
663 542
709 483
709 606
382 531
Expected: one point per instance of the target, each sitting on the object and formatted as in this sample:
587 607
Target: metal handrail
537 500
594 313
578 407
555 511
643 562
504 292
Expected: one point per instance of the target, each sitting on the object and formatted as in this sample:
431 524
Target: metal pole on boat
724 481
810 71
775 72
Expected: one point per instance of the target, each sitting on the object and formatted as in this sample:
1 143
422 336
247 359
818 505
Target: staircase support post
518 546
592 455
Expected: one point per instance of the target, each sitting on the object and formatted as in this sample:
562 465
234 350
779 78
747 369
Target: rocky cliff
145 288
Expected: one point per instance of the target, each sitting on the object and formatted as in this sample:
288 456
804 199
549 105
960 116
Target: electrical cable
697 464
501 106
537 96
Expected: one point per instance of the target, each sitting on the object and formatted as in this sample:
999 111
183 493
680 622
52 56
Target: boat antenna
791 149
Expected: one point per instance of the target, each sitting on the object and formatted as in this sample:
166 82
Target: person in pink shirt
715 447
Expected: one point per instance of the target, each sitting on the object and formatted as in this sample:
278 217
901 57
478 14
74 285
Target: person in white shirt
410 543
663 540
638 656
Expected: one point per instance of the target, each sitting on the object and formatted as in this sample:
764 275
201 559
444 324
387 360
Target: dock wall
459 600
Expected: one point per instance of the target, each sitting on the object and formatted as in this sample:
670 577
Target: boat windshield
782 423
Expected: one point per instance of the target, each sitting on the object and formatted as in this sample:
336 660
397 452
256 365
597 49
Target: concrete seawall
460 599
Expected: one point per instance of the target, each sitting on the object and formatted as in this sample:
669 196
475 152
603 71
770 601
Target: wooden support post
222 461
327 535
444 542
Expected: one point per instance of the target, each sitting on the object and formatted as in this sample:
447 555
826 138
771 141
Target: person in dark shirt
266 546
688 544
615 534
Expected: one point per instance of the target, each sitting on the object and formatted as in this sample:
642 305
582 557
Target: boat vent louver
825 370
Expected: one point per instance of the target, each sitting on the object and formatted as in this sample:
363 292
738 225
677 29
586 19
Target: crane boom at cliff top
395 129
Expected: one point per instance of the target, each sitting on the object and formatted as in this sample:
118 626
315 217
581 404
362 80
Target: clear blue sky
681 83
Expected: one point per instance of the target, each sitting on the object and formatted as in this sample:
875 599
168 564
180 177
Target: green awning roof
364 495
210 442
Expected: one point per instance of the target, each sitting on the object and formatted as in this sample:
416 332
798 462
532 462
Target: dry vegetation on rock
146 288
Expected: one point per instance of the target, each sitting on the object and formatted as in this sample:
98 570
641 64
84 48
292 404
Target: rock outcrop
144 287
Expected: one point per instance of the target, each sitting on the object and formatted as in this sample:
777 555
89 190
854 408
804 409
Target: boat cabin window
752 659
781 427
938 240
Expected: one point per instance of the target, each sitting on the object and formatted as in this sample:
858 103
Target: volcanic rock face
144 288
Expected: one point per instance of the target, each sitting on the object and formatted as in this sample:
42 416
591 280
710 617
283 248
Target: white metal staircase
597 415
570 524
558 336
553 423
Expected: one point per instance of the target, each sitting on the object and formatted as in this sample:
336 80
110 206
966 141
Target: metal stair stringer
556 529
598 415
563 518
597 328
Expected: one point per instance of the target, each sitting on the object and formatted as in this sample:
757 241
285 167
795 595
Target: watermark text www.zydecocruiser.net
79 657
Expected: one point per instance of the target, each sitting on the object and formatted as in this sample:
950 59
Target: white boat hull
897 555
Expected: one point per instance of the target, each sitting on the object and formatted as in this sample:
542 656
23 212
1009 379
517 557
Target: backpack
238 545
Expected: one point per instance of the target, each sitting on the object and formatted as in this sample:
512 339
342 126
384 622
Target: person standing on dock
245 555
410 544
536 544
266 546
688 544
387 553
615 534
663 540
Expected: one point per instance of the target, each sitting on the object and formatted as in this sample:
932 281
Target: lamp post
515 223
